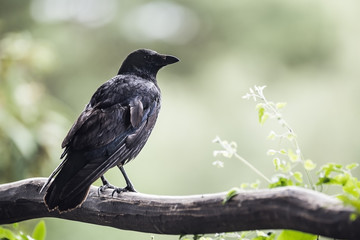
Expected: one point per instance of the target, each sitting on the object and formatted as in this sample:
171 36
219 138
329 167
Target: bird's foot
102 188
130 188
125 189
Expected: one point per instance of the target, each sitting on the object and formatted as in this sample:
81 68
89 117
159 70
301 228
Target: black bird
111 131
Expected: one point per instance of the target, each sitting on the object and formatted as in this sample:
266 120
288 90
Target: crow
111 131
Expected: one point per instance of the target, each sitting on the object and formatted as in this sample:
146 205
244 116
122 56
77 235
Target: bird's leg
129 187
105 185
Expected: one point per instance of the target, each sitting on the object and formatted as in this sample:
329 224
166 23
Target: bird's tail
63 192
77 172
53 198
73 179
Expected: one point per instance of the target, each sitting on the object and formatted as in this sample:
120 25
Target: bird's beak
170 59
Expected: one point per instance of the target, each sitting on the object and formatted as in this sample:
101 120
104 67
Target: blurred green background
55 53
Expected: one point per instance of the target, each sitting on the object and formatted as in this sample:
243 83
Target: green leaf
323 180
15 225
261 112
232 193
329 168
292 156
309 165
264 118
281 165
272 135
280 180
341 179
7 234
271 152
283 151
39 232
264 236
352 166
354 216
255 185
351 187
290 136
298 177
244 185
259 105
277 162
280 105
295 235
23 236
349 200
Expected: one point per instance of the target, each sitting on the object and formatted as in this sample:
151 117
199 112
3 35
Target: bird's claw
130 188
125 189
102 188
118 190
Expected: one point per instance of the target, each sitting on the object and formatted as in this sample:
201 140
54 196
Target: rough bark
280 208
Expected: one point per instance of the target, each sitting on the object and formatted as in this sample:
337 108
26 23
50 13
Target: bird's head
145 63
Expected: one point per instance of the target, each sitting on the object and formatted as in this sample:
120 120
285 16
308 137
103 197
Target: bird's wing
94 128
108 138
84 116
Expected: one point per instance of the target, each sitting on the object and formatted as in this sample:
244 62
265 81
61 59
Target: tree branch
279 208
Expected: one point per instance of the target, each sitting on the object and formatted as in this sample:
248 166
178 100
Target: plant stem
252 167
286 125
